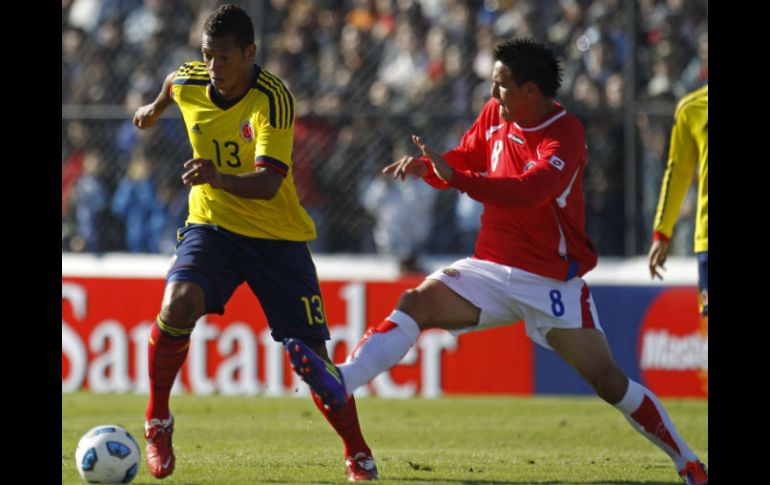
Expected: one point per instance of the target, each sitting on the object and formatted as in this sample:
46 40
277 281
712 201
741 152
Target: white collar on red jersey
561 112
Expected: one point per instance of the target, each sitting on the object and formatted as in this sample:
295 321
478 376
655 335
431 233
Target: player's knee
407 301
416 304
181 309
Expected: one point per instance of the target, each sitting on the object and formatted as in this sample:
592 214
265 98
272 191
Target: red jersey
530 180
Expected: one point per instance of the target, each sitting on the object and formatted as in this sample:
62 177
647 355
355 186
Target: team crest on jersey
247 131
529 165
451 272
557 162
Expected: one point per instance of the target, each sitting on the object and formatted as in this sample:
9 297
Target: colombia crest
247 131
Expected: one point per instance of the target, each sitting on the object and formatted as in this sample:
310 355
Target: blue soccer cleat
322 376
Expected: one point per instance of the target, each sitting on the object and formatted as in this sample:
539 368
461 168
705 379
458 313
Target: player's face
229 66
512 98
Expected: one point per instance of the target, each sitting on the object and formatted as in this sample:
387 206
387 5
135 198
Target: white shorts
506 295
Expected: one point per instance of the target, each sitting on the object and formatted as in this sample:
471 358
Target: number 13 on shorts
314 308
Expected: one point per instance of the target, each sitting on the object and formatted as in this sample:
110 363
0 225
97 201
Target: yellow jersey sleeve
275 126
688 151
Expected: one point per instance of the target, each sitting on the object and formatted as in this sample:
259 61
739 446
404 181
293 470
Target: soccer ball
107 454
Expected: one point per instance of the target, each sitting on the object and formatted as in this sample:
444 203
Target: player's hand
146 116
407 165
657 258
440 166
201 171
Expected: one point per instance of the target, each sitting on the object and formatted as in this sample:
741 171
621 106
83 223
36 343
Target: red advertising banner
106 323
673 345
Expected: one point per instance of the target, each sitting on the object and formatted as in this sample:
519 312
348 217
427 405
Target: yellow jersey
257 130
689 150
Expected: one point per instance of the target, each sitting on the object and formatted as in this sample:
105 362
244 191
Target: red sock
166 355
345 423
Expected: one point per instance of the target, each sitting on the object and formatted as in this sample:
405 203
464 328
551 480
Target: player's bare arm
263 183
147 115
657 258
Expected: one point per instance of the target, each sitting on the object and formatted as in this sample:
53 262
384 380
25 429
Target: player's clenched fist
146 116
200 171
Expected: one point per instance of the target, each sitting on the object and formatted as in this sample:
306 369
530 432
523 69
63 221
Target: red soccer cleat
160 452
361 467
694 473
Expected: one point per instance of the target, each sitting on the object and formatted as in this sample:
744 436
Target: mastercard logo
673 345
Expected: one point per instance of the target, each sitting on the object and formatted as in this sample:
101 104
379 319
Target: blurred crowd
366 74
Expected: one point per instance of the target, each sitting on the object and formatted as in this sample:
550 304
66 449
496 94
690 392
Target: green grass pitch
453 440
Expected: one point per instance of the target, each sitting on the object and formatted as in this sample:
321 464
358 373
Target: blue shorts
703 283
280 273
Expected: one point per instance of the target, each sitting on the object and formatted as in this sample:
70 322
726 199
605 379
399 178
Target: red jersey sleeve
560 155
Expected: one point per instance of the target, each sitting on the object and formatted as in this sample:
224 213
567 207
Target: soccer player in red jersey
524 159
245 224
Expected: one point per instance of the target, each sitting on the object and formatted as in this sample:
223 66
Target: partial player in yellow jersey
245 223
688 154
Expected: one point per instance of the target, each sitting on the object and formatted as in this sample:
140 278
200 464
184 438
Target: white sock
379 350
646 414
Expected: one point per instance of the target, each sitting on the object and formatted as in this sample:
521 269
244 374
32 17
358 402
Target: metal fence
367 74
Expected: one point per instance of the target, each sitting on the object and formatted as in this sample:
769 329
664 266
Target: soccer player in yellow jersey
245 223
689 152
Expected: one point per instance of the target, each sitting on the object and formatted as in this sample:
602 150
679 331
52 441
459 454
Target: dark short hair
230 19
530 61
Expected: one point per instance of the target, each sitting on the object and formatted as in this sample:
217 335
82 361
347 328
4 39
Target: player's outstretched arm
147 115
440 166
406 165
416 167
